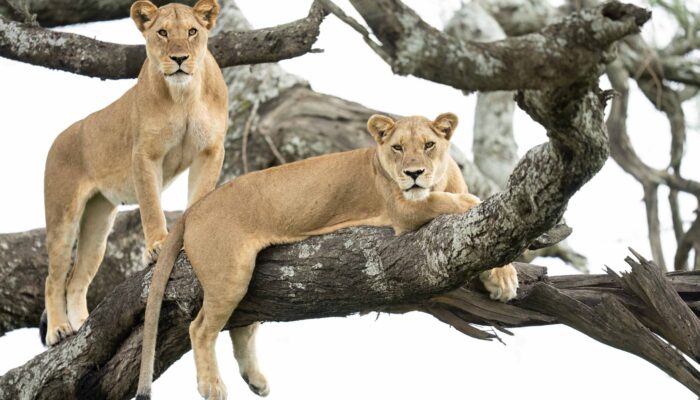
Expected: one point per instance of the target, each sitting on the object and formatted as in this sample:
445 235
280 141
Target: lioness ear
206 12
379 126
446 124
143 13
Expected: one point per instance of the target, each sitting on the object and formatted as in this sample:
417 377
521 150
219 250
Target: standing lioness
404 182
174 117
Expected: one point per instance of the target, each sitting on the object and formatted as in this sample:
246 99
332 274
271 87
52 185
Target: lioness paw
212 390
150 254
468 201
56 334
257 383
502 283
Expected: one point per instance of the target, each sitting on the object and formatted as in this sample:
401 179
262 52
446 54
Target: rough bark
51 13
554 57
105 354
494 148
85 56
614 323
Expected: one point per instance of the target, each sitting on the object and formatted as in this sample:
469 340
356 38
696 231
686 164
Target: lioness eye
192 32
163 33
397 147
429 145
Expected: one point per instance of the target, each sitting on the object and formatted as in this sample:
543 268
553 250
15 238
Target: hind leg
243 340
225 282
95 226
63 214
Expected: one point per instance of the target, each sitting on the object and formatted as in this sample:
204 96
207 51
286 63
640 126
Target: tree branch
563 52
66 12
85 56
494 148
104 355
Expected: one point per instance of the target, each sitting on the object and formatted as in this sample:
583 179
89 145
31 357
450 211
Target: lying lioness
404 182
174 117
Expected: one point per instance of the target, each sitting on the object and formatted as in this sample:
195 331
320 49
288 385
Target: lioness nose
414 174
179 59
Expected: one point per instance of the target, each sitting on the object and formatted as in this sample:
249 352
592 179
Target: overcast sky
410 356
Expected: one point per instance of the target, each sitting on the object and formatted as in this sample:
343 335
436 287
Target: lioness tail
161 274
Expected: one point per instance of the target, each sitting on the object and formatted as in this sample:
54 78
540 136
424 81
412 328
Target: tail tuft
143 397
43 327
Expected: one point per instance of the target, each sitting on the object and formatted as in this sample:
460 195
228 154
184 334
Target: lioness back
301 198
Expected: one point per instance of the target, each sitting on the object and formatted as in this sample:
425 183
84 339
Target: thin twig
350 21
246 132
22 11
280 158
675 214
688 92
651 201
690 240
645 67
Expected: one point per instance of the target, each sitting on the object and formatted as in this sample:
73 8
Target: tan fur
225 230
130 151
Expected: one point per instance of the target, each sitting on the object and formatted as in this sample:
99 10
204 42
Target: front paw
502 283
213 389
467 201
257 383
57 333
150 254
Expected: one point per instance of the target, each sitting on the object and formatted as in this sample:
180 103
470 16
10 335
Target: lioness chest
178 136
188 133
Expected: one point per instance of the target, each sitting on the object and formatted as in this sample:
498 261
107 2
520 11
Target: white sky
409 356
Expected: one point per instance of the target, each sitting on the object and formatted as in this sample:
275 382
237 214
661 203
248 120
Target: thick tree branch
105 354
85 56
65 12
612 322
562 52
494 148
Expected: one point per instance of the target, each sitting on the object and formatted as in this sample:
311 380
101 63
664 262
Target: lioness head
413 150
176 35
